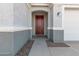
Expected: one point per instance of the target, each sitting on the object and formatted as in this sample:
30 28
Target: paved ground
40 48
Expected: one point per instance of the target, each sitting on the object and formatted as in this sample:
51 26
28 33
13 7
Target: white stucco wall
21 14
11 13
57 20
51 17
6 14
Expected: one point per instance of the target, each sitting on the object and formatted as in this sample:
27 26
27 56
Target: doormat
24 51
51 44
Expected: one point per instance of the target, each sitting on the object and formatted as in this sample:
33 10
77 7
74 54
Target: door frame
45 22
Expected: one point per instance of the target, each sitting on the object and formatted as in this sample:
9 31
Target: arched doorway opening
39 23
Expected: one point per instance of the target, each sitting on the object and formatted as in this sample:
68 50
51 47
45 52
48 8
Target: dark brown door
39 24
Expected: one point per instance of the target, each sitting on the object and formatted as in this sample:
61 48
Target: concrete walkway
39 48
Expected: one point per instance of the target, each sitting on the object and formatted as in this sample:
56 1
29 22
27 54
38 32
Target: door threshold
37 36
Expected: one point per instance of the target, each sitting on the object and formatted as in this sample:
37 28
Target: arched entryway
39 23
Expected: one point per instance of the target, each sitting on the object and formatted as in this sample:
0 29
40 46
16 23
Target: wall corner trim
13 29
55 28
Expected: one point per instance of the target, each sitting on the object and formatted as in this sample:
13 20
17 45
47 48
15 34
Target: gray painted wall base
57 36
12 42
6 44
50 35
20 38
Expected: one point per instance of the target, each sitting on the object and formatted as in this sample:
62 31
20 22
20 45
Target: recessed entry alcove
39 23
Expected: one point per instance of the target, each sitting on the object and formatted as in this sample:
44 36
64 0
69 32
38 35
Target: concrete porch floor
40 48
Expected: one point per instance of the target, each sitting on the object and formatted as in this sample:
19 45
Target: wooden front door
39 24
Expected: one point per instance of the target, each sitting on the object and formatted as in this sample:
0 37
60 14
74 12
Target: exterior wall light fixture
58 13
